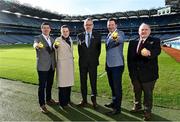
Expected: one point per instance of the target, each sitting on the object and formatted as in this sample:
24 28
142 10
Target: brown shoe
43 109
82 104
52 102
147 116
94 103
136 109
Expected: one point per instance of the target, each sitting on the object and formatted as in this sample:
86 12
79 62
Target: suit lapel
84 39
44 40
92 40
146 42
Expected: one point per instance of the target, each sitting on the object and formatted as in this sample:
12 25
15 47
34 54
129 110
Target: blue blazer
114 50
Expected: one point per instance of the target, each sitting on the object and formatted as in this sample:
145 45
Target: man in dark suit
45 65
143 68
89 48
114 65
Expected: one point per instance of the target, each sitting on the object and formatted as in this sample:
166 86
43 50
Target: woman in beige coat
65 65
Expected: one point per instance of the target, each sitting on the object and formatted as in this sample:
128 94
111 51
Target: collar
89 33
112 32
46 37
144 39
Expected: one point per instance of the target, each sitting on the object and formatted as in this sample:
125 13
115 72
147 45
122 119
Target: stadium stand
20 23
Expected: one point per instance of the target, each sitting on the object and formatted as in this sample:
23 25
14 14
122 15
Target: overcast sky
88 7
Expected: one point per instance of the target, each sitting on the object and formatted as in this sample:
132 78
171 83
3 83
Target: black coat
144 69
89 56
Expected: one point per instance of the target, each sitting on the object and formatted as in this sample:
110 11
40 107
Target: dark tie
140 47
89 39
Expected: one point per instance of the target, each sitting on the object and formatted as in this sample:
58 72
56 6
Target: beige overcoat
64 63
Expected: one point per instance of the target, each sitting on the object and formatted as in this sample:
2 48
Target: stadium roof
37 12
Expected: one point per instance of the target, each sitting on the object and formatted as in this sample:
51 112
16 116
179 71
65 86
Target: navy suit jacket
143 69
89 56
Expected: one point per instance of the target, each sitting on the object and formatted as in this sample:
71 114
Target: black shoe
114 112
110 105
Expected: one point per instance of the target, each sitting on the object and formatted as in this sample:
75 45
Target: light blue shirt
86 37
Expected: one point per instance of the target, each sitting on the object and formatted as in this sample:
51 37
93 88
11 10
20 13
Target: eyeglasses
88 24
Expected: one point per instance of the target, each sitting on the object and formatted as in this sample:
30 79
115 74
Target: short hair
112 19
45 23
88 19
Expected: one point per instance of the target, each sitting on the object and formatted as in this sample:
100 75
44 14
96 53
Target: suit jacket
65 63
46 55
144 69
114 50
89 56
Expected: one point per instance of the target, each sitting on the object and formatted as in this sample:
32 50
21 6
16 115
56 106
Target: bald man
143 68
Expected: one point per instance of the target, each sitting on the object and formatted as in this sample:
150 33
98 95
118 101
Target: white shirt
47 38
110 35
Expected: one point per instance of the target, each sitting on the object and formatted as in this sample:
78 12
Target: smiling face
144 31
111 25
46 29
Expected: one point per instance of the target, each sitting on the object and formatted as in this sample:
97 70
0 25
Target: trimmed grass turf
18 62
19 103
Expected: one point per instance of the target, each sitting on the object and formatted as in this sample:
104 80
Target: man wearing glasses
89 48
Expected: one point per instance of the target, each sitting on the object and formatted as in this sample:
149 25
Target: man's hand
56 44
115 36
38 45
145 52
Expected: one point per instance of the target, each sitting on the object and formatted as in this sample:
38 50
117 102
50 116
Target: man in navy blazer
89 48
114 65
143 68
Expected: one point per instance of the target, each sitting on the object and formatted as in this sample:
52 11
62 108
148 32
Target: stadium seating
21 28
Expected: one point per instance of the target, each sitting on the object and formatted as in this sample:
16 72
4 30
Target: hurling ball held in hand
56 44
41 45
115 36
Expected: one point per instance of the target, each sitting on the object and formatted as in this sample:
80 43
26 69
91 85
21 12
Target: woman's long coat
64 63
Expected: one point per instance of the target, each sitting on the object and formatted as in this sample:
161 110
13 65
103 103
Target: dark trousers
147 88
92 70
45 85
115 81
64 95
